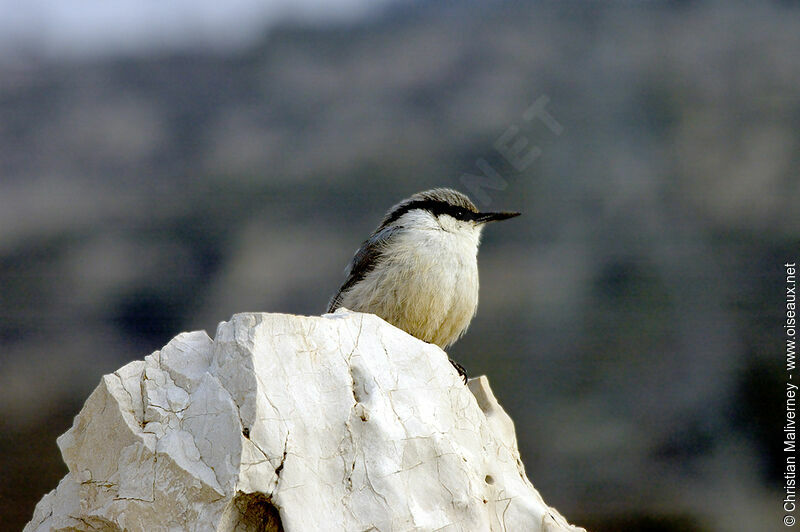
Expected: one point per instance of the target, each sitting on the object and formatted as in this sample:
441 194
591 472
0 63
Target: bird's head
441 209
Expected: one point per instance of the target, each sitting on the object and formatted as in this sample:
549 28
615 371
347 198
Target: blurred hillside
629 321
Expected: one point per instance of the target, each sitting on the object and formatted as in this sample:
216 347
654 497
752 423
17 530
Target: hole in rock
256 513
489 479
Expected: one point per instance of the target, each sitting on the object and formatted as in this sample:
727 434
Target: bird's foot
460 369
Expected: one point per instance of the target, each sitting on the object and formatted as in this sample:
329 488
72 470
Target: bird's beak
486 217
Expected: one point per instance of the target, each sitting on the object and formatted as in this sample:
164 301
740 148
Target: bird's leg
460 369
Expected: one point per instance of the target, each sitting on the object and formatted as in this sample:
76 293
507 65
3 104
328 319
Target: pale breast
427 286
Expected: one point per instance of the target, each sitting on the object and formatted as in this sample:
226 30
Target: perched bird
419 268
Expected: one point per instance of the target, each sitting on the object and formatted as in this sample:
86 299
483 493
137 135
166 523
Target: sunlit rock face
282 422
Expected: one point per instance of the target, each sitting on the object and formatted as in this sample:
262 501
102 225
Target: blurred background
163 166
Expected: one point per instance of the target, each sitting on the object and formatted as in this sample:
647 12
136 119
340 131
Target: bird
418 270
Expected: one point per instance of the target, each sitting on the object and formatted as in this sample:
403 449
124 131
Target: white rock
340 422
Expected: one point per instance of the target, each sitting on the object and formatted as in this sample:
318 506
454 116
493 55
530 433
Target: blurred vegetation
630 321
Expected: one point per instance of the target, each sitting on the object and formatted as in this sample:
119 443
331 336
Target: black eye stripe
435 207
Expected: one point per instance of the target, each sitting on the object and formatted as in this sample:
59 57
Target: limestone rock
339 422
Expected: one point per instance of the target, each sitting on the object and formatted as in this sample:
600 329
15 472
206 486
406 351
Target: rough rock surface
339 422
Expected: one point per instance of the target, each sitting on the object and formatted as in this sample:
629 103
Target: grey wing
364 261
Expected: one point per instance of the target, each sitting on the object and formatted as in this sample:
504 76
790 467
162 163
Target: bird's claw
460 369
